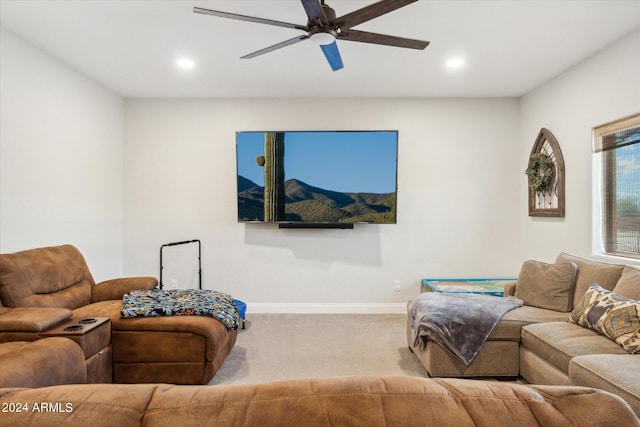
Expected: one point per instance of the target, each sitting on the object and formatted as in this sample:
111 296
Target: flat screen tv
317 177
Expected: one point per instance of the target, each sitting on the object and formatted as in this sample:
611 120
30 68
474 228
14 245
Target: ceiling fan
324 28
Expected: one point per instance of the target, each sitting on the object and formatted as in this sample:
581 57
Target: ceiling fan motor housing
329 13
322 32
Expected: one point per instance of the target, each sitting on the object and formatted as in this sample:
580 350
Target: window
619 144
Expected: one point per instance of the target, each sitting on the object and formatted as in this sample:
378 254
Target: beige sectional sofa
542 345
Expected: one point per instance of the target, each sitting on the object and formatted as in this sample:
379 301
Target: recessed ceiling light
455 62
185 63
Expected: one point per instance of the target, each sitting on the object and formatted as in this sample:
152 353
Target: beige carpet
285 346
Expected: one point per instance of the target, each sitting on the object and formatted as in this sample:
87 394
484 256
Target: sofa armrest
510 289
27 319
116 288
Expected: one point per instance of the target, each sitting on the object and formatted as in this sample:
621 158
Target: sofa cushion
612 315
605 274
41 363
510 325
547 286
559 342
116 288
615 373
629 283
45 277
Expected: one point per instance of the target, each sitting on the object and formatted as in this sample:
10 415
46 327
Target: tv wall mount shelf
317 225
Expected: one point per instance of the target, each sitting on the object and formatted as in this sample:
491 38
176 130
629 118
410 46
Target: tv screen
317 177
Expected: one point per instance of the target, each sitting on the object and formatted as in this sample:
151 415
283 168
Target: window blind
616 134
619 143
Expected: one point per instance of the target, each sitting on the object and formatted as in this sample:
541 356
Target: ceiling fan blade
276 46
370 12
332 54
314 11
249 18
374 38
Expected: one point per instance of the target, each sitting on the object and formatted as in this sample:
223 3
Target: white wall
603 88
458 183
61 138
462 207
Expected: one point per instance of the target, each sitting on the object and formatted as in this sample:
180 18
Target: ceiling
130 46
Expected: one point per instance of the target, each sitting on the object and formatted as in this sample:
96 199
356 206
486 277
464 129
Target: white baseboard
364 308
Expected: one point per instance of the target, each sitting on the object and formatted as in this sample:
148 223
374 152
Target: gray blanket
461 323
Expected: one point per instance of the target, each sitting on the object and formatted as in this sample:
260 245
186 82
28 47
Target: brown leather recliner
46 362
41 288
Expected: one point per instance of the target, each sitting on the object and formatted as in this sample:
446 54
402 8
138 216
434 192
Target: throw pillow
613 315
604 274
629 283
547 286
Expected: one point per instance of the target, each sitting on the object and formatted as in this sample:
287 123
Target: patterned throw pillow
613 315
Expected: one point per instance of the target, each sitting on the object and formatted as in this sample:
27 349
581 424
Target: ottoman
499 356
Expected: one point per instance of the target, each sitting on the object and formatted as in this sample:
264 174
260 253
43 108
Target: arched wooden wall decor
545 172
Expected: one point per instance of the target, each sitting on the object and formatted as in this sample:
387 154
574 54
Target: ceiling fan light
322 38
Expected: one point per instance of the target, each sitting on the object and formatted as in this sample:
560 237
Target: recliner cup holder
73 328
88 320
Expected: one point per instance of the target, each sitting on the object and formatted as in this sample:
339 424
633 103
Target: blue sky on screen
357 162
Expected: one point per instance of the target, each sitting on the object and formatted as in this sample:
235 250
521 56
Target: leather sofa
44 287
542 346
346 401
46 362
